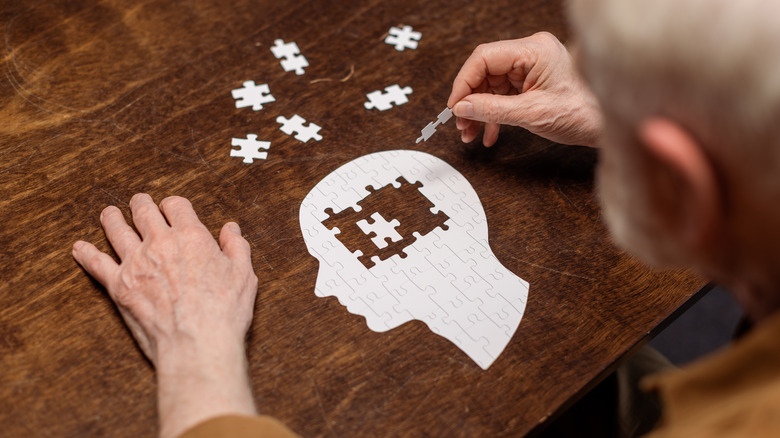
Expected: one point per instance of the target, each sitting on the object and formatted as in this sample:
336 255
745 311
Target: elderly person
682 97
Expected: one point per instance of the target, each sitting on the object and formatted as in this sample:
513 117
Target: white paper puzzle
252 95
403 38
438 269
430 128
290 55
249 148
295 124
393 94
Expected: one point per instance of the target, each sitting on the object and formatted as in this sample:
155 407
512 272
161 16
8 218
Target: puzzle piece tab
249 148
252 95
381 230
290 55
428 131
393 94
403 38
296 124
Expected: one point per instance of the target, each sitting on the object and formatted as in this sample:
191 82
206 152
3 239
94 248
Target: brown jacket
733 393
237 426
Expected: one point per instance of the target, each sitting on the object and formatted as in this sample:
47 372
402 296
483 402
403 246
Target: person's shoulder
732 393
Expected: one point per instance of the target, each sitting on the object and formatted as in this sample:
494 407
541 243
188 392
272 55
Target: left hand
187 301
174 284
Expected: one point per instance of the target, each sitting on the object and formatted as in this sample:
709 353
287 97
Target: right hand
529 82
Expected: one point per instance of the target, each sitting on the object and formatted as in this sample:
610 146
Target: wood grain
103 99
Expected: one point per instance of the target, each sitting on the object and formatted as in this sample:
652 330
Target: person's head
690 163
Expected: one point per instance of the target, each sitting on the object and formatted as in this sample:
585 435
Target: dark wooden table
104 99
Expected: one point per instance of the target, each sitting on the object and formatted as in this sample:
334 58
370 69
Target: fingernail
135 197
234 227
103 212
463 109
77 246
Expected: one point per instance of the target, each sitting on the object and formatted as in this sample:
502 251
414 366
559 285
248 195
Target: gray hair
713 66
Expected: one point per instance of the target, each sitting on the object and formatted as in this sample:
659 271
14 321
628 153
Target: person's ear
685 187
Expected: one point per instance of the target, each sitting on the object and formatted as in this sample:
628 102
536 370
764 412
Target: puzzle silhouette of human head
401 235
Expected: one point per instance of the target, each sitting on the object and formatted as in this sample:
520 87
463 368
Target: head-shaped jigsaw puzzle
402 235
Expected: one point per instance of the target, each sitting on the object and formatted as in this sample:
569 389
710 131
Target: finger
466 124
234 246
499 85
179 212
146 215
122 237
469 134
97 263
491 134
494 59
493 108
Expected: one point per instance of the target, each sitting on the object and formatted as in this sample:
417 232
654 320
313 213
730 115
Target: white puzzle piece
403 38
381 229
295 124
252 95
437 268
393 94
291 57
249 148
430 128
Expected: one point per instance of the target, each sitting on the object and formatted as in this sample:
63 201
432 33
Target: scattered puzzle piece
290 55
393 94
280 49
403 38
249 148
252 95
428 131
296 124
